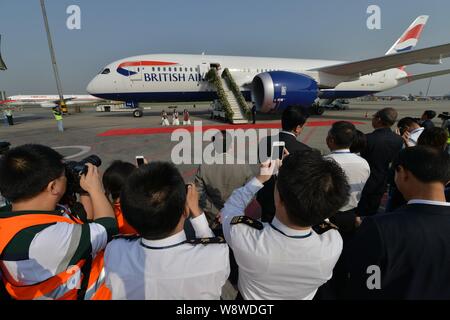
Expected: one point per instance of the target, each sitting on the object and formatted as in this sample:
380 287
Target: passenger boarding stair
235 106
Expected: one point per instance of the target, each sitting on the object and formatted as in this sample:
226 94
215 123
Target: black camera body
444 116
74 170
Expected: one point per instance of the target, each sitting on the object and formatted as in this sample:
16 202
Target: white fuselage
42 99
177 77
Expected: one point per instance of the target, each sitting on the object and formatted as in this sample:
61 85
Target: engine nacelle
274 91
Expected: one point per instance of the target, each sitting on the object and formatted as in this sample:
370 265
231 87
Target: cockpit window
106 71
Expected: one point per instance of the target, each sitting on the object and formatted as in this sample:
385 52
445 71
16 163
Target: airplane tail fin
411 37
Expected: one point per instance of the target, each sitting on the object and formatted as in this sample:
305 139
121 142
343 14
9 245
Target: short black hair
387 116
27 170
425 163
430 114
343 133
407 122
359 143
153 200
293 117
115 176
434 137
312 188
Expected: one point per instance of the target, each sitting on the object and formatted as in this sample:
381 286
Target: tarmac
119 136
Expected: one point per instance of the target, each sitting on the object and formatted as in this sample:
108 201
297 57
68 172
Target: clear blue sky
114 29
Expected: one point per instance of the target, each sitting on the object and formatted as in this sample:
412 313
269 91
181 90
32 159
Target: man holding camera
288 258
162 264
45 253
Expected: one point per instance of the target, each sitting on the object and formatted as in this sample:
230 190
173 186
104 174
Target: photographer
46 254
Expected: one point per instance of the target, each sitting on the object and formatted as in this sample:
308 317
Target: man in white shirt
163 264
410 131
339 140
287 258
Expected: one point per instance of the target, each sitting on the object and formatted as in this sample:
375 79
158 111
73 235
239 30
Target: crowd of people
319 231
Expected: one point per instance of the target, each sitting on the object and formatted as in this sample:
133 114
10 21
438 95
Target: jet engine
275 91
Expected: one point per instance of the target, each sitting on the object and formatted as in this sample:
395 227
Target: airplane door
203 70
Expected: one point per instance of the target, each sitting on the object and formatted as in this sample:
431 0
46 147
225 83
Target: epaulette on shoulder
129 237
247 221
206 241
324 227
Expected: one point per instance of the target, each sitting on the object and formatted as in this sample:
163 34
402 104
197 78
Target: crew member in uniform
288 258
57 113
163 264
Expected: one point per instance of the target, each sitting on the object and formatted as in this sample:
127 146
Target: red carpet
169 130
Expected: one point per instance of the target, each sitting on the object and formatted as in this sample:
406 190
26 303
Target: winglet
410 37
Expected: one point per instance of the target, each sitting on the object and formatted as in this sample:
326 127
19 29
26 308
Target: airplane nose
92 87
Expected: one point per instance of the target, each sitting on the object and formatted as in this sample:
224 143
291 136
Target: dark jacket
428 124
383 146
265 195
411 246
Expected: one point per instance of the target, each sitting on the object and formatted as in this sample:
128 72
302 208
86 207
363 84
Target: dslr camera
444 116
74 170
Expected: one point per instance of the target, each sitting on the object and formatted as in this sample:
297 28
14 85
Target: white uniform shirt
278 262
357 171
167 269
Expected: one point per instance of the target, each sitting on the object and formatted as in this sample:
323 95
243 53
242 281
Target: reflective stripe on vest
58 116
63 286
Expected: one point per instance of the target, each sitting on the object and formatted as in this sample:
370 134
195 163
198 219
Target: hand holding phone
140 161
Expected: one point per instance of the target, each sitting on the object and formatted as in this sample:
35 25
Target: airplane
271 83
48 101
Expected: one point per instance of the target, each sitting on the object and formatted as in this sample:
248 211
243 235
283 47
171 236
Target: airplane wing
432 55
426 75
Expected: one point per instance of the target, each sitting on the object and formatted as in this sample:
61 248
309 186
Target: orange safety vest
124 226
60 286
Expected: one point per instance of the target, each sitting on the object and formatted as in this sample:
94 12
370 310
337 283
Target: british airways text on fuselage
173 77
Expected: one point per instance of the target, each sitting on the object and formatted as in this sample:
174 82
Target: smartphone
140 161
278 150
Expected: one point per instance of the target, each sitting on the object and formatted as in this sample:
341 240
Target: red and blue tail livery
411 37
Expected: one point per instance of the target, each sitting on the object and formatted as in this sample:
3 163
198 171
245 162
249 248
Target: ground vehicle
217 111
340 104
137 112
